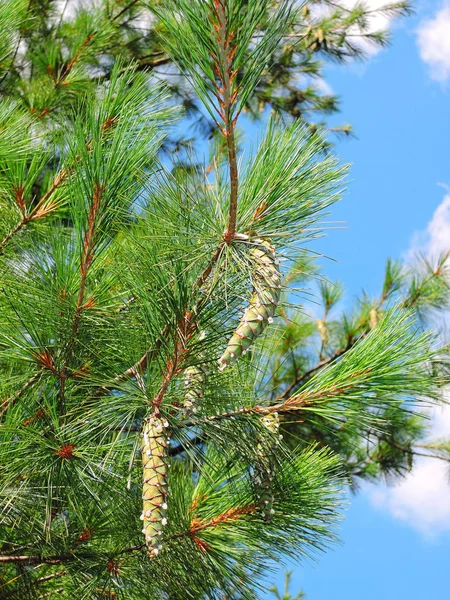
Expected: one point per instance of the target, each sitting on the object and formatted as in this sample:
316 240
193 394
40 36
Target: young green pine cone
264 470
194 382
154 493
266 295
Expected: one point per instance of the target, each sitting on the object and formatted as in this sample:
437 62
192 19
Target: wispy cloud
433 40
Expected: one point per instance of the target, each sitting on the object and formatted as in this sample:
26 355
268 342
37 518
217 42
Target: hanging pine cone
194 381
264 470
373 318
266 295
154 495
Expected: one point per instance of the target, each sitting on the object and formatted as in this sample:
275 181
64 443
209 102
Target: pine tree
311 342
62 47
147 411
286 594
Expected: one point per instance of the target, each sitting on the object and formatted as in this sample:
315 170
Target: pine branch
85 264
49 577
197 525
227 98
142 364
184 331
13 399
412 450
392 284
302 378
38 560
43 208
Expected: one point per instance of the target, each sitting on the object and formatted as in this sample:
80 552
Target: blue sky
395 541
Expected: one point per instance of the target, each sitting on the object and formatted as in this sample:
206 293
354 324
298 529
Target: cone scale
266 295
155 486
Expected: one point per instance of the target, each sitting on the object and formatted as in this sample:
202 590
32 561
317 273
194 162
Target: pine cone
154 494
266 295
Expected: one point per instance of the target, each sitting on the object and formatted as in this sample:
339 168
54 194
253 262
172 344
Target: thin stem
40 210
48 577
291 404
227 99
414 452
125 9
231 149
36 560
23 221
298 381
13 399
141 365
85 264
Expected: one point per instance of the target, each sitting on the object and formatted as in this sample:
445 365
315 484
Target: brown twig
304 377
37 560
52 576
85 264
227 98
141 365
13 399
228 516
41 209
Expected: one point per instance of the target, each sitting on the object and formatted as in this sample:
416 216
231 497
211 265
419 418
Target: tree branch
13 399
125 9
141 365
40 210
48 577
227 97
85 264
298 381
37 560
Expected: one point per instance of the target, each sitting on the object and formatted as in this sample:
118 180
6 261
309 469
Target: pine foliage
52 51
131 465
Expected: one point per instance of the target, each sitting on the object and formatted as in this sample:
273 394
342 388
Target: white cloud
433 40
422 498
376 21
435 239
301 80
322 86
68 8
